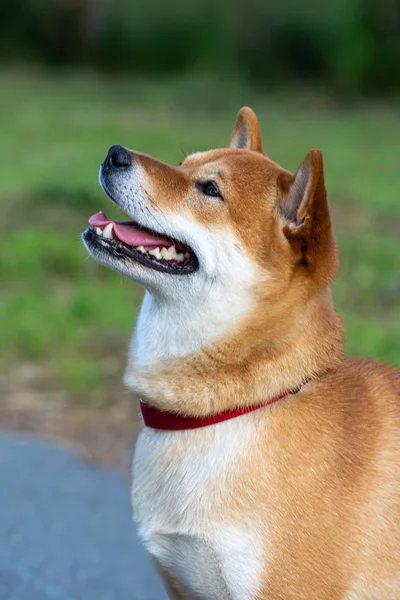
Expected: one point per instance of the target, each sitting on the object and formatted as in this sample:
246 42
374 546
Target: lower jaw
122 251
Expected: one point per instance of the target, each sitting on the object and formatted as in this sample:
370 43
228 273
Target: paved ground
65 528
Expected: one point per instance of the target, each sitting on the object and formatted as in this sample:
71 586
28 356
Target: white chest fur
180 495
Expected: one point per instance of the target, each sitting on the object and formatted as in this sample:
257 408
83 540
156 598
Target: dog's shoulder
354 410
359 402
370 381
358 381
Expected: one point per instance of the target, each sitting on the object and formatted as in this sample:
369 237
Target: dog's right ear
246 134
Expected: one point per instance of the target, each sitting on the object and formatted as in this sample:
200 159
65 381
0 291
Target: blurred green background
168 78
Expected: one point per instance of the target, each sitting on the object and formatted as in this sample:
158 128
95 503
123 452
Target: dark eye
210 188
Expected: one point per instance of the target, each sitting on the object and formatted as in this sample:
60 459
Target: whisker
213 280
155 205
153 216
185 152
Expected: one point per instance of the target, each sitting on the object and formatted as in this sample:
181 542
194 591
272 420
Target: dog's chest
181 504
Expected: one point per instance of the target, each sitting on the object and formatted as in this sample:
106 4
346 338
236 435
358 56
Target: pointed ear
246 134
307 224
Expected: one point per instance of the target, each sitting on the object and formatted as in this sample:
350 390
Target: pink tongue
131 234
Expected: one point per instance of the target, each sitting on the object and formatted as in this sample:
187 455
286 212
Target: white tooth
187 254
164 253
180 257
155 252
172 252
99 231
141 249
108 232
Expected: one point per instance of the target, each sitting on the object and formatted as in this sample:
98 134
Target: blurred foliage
349 45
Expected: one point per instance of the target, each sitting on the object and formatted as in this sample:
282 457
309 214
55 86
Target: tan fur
322 471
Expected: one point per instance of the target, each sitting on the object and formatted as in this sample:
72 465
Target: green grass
68 313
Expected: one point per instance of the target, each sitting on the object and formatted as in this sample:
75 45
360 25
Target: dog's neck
181 361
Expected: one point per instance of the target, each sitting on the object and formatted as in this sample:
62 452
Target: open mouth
128 239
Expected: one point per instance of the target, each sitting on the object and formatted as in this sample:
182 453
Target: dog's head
230 218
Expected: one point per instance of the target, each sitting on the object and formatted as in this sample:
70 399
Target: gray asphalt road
65 529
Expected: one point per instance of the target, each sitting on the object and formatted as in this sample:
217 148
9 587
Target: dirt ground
104 436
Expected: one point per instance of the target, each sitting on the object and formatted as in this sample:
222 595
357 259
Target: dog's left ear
303 204
246 134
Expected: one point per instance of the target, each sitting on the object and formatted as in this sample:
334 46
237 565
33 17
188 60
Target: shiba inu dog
268 466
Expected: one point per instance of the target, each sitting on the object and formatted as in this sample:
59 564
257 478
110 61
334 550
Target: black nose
118 157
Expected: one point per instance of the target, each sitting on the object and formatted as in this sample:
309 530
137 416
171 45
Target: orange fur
320 477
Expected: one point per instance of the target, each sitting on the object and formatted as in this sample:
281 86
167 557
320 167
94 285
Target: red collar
169 421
